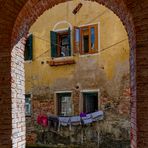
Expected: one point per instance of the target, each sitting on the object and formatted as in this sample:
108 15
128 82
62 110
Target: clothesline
102 50
75 120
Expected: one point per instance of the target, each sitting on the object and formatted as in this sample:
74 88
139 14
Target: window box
61 62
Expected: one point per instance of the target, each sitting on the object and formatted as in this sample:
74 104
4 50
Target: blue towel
64 121
75 120
87 119
97 115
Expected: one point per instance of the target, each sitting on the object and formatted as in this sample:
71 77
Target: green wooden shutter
53 40
69 40
29 48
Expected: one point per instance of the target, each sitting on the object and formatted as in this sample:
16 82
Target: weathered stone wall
115 125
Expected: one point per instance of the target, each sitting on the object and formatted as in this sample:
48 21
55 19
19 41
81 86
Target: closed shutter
53 40
69 41
29 48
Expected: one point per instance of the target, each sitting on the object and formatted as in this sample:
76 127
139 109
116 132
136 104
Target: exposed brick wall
126 10
17 95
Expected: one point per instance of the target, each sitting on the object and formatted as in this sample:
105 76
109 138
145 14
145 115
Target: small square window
90 102
64 104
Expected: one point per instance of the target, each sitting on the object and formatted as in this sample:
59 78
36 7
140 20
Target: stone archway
15 21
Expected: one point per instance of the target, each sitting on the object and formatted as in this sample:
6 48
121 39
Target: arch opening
22 43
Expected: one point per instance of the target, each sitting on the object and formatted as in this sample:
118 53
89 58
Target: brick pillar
5 98
133 99
17 95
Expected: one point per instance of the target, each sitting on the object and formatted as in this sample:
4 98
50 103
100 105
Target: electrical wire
102 50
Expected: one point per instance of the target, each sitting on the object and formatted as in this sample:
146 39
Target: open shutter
69 40
29 48
76 40
53 39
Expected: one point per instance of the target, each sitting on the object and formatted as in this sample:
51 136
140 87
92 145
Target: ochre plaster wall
113 56
108 70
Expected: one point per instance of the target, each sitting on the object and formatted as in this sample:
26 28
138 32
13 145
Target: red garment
42 120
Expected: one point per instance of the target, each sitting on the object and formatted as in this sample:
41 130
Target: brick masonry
17 95
15 19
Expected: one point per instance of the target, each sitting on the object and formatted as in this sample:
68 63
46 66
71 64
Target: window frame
59 33
57 101
59 36
97 38
30 104
82 98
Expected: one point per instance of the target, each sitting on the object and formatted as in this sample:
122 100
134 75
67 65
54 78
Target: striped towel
87 119
97 115
75 120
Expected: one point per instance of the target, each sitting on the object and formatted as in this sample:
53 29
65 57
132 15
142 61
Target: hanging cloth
97 115
87 119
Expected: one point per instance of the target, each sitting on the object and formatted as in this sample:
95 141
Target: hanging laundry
39 119
53 122
82 114
87 119
42 120
97 115
64 121
75 120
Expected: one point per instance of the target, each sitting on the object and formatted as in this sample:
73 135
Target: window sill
61 61
28 61
89 54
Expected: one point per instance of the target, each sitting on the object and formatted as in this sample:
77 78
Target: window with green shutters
60 43
53 38
28 54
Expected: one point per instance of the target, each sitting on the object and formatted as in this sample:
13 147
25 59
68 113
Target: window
86 39
60 43
28 54
64 104
28 104
90 102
